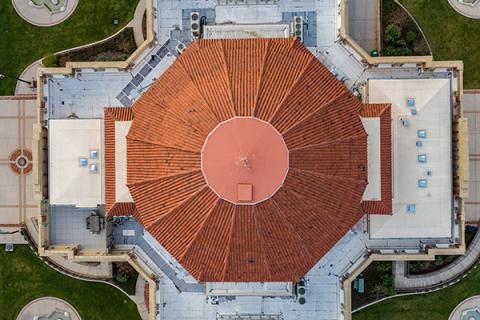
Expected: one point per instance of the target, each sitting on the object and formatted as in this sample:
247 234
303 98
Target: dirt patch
144 25
119 48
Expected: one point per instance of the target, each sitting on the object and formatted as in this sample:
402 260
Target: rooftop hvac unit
180 48
298 27
301 291
195 24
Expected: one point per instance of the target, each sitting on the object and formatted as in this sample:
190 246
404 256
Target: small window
422 158
419 143
414 111
83 162
411 208
405 123
410 102
422 133
422 183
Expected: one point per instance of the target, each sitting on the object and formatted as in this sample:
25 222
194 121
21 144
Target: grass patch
432 306
119 48
22 43
24 277
451 35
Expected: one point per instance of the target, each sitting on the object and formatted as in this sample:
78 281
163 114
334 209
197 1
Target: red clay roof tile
276 80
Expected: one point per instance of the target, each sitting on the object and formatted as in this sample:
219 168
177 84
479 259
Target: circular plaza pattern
48 308
469 9
468 309
45 13
21 161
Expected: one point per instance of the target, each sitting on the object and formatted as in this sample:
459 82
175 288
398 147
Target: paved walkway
101 270
467 10
471 110
363 23
47 306
29 74
139 297
136 23
404 282
42 17
466 305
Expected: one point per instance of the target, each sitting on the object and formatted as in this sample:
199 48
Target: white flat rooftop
373 189
122 194
70 182
235 31
432 204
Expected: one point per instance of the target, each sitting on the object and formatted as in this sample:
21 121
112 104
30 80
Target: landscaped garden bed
378 283
401 36
422 267
118 48
124 276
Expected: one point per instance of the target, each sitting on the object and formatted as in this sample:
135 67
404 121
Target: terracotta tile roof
282 237
384 206
112 208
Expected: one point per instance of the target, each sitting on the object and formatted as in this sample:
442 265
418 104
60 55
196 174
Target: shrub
50 61
121 277
411 36
392 34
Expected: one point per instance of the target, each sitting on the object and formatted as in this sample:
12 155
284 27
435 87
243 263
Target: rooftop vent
422 183
93 154
422 133
93 168
411 208
82 162
301 291
410 102
422 158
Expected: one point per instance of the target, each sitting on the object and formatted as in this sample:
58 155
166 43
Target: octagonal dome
265 226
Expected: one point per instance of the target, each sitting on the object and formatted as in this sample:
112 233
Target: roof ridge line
350 138
210 212
144 181
262 72
300 240
322 175
230 236
127 137
229 82
290 91
179 205
326 104
262 246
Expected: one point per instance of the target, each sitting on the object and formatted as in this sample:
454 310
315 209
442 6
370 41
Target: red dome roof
298 218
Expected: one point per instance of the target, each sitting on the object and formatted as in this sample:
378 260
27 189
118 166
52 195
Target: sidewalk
405 282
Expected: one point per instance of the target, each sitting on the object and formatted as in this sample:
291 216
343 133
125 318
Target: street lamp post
4 75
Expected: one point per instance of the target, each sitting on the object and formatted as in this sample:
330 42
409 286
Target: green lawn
24 277
451 35
432 306
21 43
